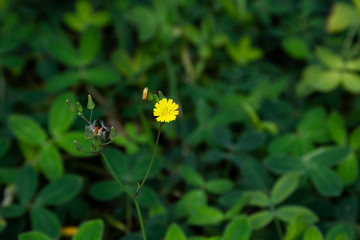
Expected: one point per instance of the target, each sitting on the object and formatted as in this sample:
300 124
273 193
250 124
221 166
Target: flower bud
79 147
113 134
156 98
150 97
90 103
80 114
71 107
145 93
161 95
88 134
79 107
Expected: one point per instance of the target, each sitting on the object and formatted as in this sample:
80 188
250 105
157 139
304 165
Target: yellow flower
165 110
69 231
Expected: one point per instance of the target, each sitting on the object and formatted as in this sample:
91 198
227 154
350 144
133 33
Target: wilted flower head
98 131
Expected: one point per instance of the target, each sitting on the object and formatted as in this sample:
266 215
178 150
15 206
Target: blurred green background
267 141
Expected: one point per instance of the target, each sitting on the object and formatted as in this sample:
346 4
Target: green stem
171 75
151 163
90 115
128 193
128 215
276 221
348 41
278 228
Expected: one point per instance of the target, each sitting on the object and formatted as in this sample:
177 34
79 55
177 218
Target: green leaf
287 213
342 16
255 175
213 156
312 125
174 232
329 58
315 77
219 186
4 146
89 45
90 230
33 235
145 22
202 111
351 82
354 141
118 162
260 219
295 228
101 76
313 233
353 64
59 191
283 164
26 129
237 207
249 141
191 176
74 21
62 80
189 202
326 181
296 47
192 34
100 18
348 170
12 211
60 118
243 52
84 9
105 190
66 142
258 198
282 144
250 111
341 229
326 80
27 182
148 198
326 156
284 187
337 128
3 224
44 221
51 164
205 215
8 175
239 229
223 136
62 50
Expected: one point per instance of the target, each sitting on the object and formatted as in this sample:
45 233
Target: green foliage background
267 141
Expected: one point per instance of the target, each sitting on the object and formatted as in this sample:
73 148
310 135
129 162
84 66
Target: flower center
166 111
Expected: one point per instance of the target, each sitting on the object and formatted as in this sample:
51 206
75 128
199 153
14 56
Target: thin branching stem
128 193
151 163
276 221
